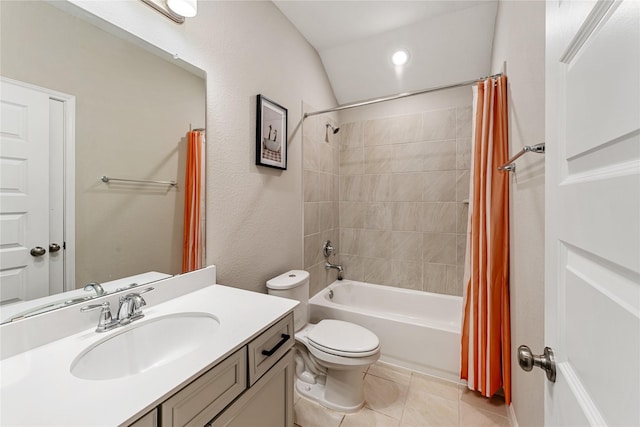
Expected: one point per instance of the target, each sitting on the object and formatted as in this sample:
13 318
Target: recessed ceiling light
400 57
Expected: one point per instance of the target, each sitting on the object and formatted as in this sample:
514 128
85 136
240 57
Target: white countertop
37 387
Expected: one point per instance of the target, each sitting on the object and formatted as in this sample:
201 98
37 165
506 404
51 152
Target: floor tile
426 410
368 418
309 414
384 396
390 372
495 404
471 416
435 386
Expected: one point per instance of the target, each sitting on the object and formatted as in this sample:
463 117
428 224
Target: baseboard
512 416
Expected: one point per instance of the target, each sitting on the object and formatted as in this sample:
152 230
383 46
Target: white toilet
331 355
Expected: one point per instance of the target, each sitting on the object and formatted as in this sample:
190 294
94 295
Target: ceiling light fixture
400 57
186 8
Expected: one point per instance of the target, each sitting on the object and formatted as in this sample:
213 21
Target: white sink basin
144 346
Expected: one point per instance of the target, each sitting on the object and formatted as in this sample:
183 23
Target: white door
592 283
24 193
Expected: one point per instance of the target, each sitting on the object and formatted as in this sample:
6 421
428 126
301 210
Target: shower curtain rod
398 96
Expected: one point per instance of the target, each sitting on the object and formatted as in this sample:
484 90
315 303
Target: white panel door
592 283
24 193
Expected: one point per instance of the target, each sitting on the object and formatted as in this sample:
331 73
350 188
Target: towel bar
105 178
510 165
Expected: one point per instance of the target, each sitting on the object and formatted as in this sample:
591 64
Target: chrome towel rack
510 166
106 178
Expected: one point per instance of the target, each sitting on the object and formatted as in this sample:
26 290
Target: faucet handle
105 322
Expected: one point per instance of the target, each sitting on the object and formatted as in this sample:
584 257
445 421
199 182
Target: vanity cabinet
251 387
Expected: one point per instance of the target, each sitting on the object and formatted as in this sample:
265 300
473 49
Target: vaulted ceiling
447 42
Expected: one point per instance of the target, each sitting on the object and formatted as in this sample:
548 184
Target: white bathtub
417 330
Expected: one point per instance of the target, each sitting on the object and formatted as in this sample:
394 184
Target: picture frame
271 134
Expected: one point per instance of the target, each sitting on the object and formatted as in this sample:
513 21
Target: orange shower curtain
486 327
193 236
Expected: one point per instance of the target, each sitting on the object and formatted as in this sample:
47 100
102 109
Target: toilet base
343 391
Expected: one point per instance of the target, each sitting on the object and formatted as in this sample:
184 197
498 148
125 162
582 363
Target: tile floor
397 397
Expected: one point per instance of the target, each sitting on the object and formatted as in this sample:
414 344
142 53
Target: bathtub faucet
328 266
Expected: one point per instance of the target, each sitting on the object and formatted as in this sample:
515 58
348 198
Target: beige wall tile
461 247
408 157
439 248
439 155
311 186
392 130
312 250
462 186
377 215
351 135
352 161
353 267
463 122
309 154
350 239
378 187
453 282
406 216
406 245
352 187
311 224
375 243
352 214
407 274
438 125
407 187
378 159
326 216
434 277
439 217
462 217
463 153
378 271
324 187
439 186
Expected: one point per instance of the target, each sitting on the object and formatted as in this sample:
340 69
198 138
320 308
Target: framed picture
271 134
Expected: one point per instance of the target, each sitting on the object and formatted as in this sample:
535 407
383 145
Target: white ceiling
448 41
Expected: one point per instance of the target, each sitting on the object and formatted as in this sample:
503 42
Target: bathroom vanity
217 356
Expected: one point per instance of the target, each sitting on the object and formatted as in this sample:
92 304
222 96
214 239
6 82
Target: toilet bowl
331 355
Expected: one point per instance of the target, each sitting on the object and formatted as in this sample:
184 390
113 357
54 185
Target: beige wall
254 214
321 190
133 110
519 41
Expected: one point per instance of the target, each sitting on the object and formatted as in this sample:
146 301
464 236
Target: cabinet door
148 420
268 403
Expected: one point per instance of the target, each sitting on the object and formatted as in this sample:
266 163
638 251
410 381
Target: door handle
546 361
54 247
38 251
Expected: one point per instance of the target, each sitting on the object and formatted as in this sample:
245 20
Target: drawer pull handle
284 339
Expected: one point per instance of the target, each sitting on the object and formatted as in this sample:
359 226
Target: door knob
546 361
54 247
38 251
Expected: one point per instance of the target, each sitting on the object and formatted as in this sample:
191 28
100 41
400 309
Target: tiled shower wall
321 161
391 194
404 184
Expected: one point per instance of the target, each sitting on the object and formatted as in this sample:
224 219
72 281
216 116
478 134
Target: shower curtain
486 330
193 236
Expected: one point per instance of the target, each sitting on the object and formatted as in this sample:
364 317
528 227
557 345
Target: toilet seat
343 339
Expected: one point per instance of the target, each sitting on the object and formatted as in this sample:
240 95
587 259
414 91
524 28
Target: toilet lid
343 339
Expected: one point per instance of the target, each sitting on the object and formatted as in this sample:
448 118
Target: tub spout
328 266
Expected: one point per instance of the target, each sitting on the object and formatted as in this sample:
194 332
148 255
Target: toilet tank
293 284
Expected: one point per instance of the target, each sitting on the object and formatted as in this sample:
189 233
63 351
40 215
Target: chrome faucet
94 286
130 308
328 266
106 322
